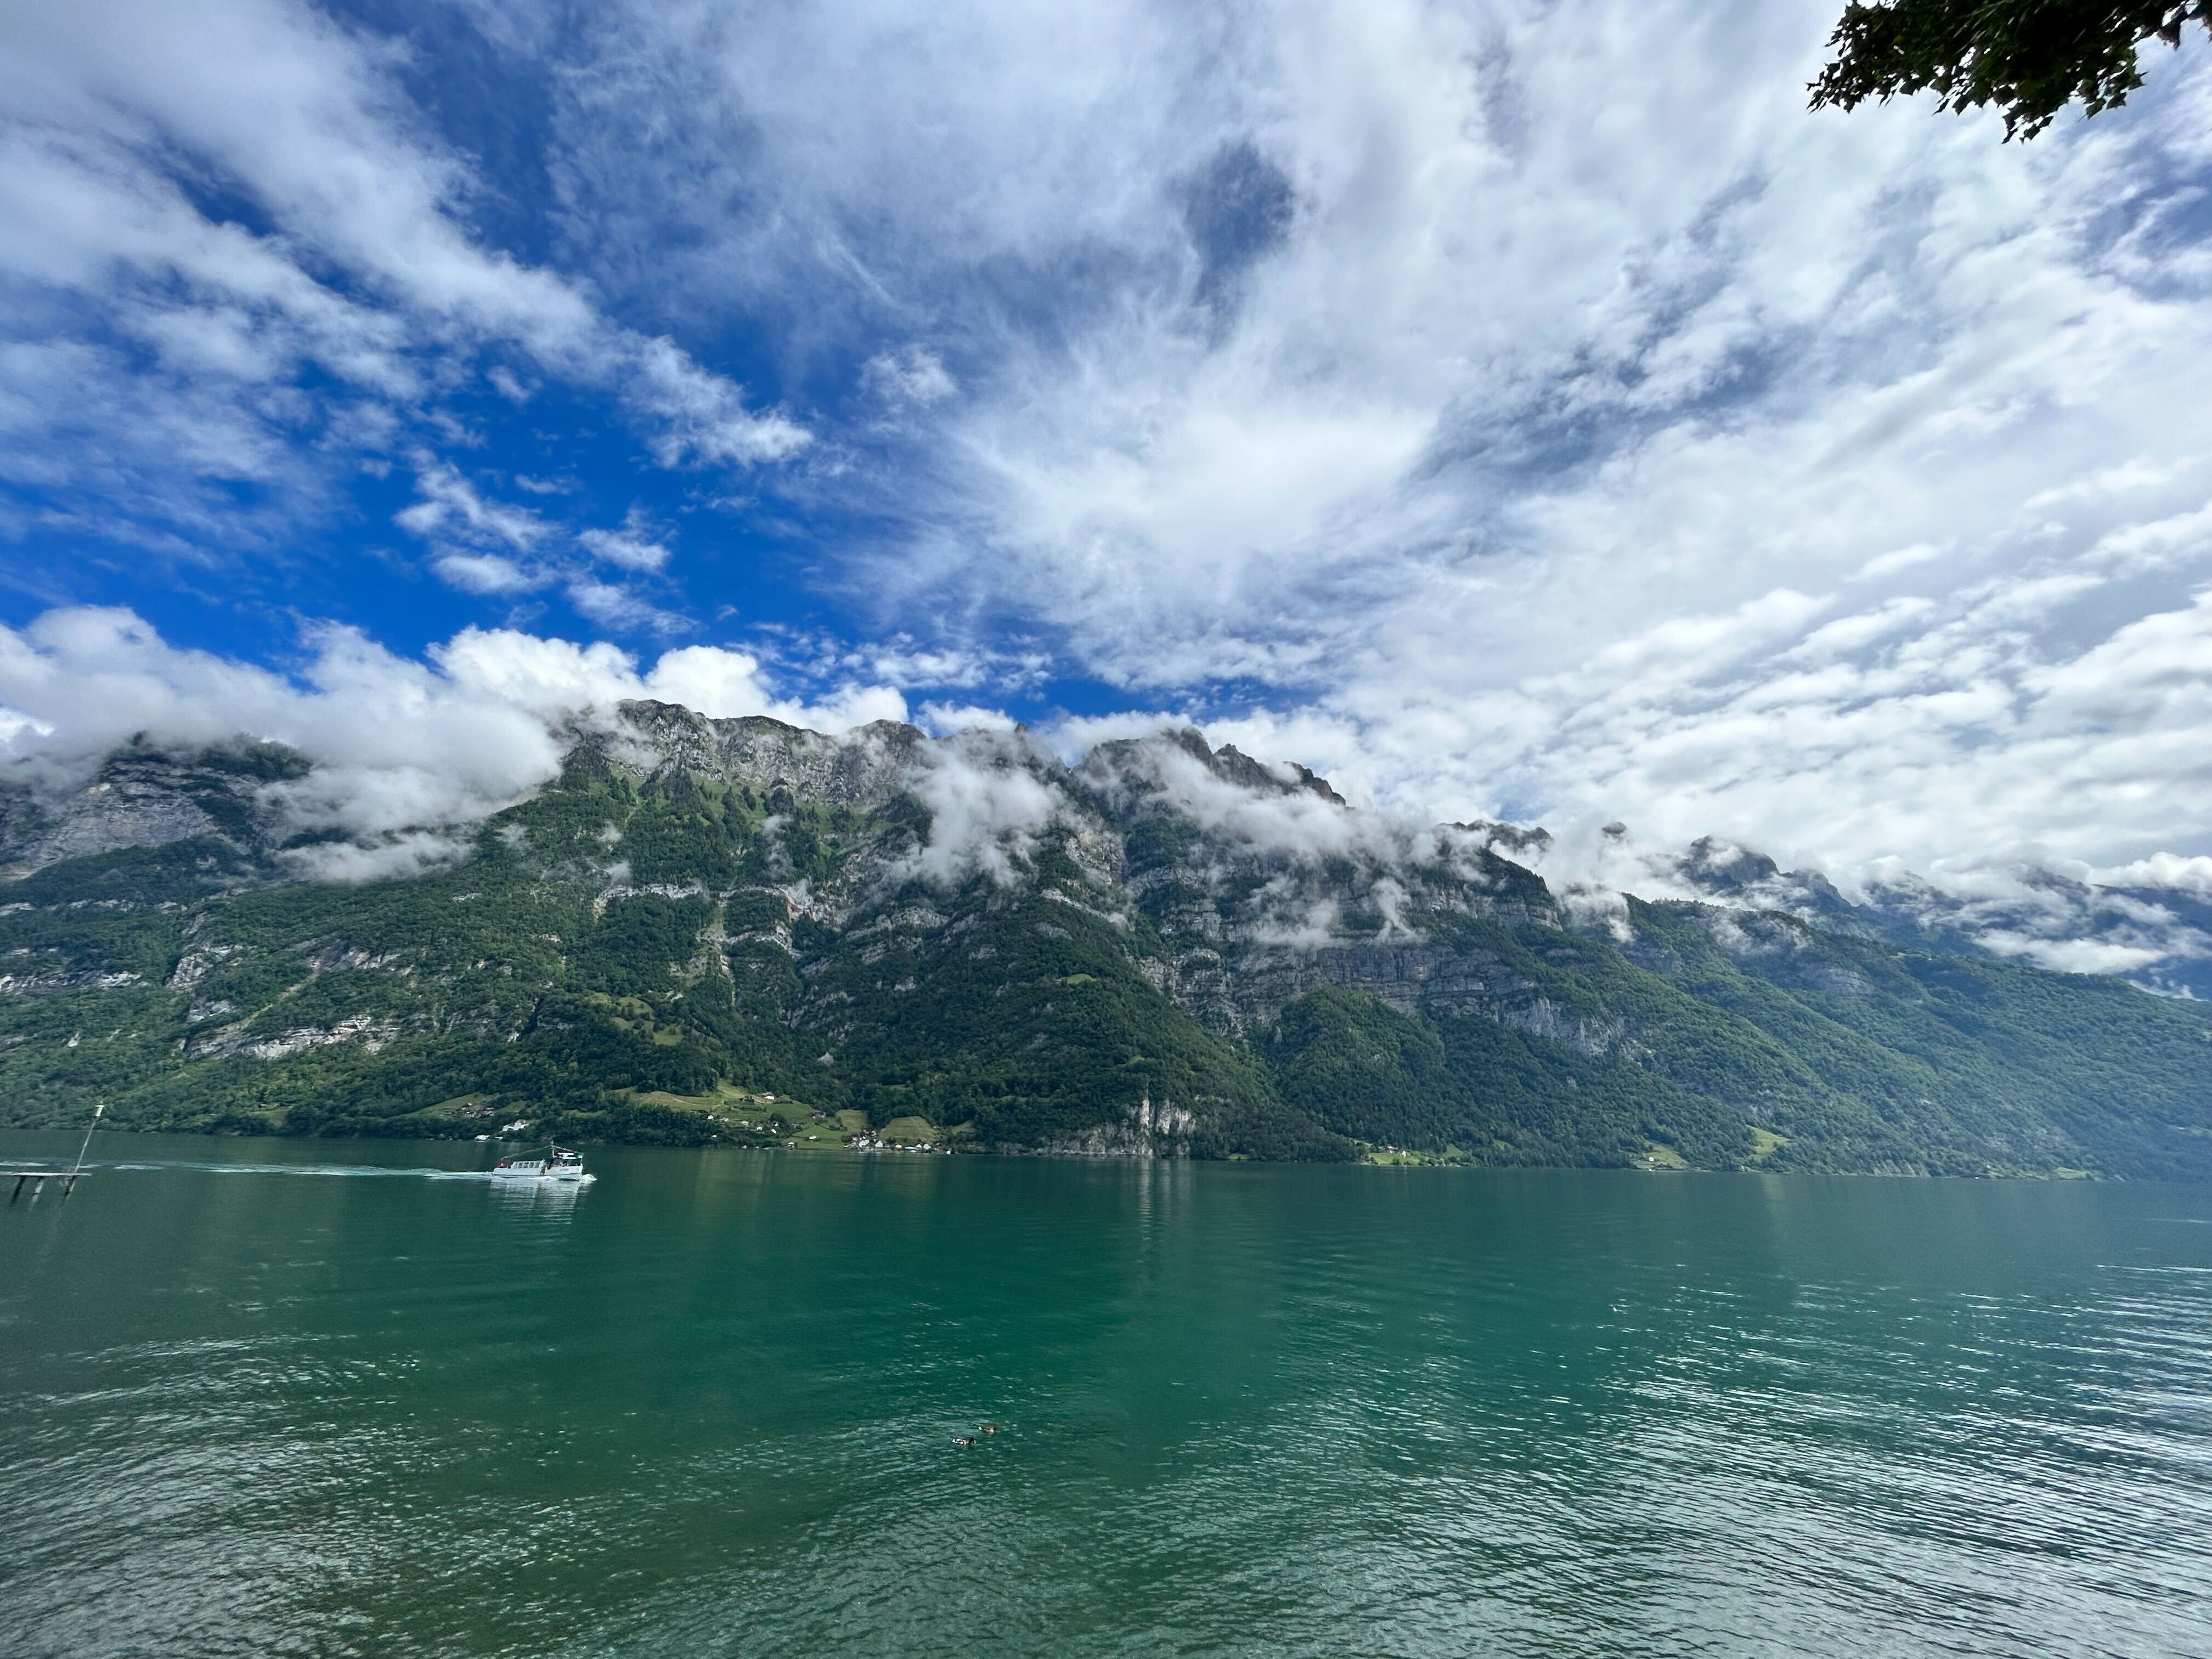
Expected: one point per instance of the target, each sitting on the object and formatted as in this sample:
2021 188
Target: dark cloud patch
1236 212
1504 98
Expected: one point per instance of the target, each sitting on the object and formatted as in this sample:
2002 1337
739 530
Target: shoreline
1381 1158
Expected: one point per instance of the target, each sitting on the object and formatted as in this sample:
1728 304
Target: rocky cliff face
141 797
861 771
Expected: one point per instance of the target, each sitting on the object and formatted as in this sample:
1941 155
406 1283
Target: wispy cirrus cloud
633 547
494 549
232 219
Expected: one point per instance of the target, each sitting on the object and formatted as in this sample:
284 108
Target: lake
314 1398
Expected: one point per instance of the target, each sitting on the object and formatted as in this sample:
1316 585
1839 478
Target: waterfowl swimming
963 1439
990 1428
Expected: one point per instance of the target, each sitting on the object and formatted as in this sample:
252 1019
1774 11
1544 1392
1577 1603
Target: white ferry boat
559 1167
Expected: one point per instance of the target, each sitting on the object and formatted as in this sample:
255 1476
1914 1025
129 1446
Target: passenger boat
559 1167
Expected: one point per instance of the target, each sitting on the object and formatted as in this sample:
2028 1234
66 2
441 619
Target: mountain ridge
1164 949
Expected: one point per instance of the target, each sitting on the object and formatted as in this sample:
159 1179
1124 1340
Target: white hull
562 1170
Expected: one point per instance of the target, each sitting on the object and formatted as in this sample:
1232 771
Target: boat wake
360 1170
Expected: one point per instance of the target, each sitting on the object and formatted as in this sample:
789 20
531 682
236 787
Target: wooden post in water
67 1177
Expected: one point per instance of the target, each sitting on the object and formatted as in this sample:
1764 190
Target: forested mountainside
1163 950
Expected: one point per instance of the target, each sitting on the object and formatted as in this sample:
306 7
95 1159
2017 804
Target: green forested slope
514 985
1804 1050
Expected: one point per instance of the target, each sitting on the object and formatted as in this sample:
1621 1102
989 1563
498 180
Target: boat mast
78 1168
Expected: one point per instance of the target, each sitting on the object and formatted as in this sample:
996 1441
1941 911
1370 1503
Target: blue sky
1522 410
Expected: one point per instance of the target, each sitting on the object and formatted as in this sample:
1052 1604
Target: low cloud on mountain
406 754
397 744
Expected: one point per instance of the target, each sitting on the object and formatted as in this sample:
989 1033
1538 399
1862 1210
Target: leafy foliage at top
2027 59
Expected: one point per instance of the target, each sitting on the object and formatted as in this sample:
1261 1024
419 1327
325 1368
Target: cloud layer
1513 410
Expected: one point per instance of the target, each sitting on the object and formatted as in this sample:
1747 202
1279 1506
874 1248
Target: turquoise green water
258 1398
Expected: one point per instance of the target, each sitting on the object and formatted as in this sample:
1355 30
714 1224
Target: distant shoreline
1377 1159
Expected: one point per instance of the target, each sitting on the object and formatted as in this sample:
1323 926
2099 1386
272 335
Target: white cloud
2073 956
405 746
988 809
613 605
944 719
2160 870
912 377
486 572
453 510
451 506
400 745
630 547
549 678
478 545
720 684
383 857
700 416
555 678
1074 736
1298 824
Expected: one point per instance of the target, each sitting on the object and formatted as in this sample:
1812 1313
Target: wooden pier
67 1177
